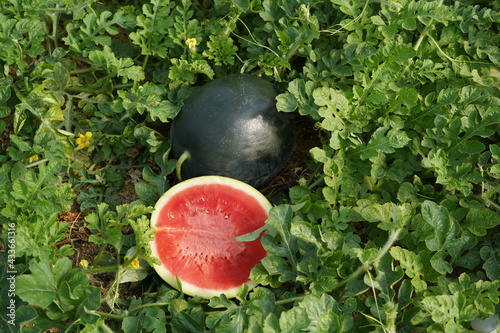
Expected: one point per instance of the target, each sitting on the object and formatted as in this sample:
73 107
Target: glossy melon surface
231 128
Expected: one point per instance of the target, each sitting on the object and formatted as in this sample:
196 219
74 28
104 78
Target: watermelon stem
185 156
107 315
108 268
311 183
128 313
99 255
489 203
365 267
148 305
490 193
290 300
102 269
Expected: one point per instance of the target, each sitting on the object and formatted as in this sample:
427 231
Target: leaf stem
254 41
148 305
116 286
127 313
54 18
145 62
82 71
290 300
428 27
58 9
107 315
99 255
124 85
294 47
117 267
488 194
73 324
82 90
393 237
354 20
34 164
310 183
102 269
490 203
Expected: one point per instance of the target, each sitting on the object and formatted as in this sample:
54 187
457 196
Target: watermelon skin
231 127
196 223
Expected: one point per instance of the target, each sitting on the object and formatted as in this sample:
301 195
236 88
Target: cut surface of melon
196 224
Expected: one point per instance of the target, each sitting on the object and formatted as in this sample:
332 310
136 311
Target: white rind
164 273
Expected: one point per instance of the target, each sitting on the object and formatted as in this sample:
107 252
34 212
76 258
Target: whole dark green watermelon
230 127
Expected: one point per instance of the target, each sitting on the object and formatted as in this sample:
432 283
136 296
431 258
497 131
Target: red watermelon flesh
197 222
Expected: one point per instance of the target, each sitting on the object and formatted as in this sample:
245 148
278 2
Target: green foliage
33 195
154 22
395 227
59 292
92 31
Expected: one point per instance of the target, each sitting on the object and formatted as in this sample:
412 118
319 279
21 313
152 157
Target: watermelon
196 224
230 127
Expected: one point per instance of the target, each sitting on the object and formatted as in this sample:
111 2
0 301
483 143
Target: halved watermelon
196 223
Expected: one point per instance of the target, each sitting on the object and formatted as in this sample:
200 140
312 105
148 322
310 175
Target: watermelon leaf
280 244
412 264
479 221
183 322
444 226
294 320
133 275
251 236
61 290
322 312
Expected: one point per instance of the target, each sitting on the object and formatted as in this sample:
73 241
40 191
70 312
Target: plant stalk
101 269
428 27
490 203
99 255
488 194
393 237
122 317
34 164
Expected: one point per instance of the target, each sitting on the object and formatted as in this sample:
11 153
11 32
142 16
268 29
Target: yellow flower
33 158
191 43
83 141
135 263
84 263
